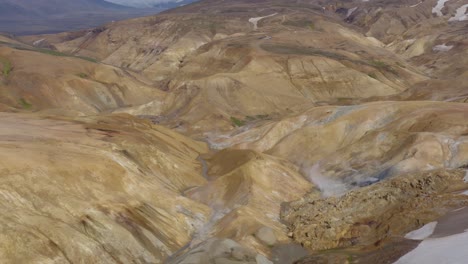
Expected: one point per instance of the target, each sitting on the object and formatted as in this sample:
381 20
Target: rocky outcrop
372 214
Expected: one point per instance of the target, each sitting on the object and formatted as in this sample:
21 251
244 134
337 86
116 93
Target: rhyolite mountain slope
300 56
236 132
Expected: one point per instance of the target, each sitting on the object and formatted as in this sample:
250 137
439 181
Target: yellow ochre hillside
222 132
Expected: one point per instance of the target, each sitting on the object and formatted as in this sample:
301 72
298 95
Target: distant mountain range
38 8
152 3
23 17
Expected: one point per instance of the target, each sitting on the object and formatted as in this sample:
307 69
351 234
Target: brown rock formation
371 214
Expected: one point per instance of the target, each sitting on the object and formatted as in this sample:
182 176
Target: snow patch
438 8
423 232
460 15
415 4
37 42
350 11
254 20
464 193
442 48
459 209
449 249
465 179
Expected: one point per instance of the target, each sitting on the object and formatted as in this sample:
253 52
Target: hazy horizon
29 17
142 3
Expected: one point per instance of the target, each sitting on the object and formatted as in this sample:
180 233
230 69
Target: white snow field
437 9
254 20
460 14
423 232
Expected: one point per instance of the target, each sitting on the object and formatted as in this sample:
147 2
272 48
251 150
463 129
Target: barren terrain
239 132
